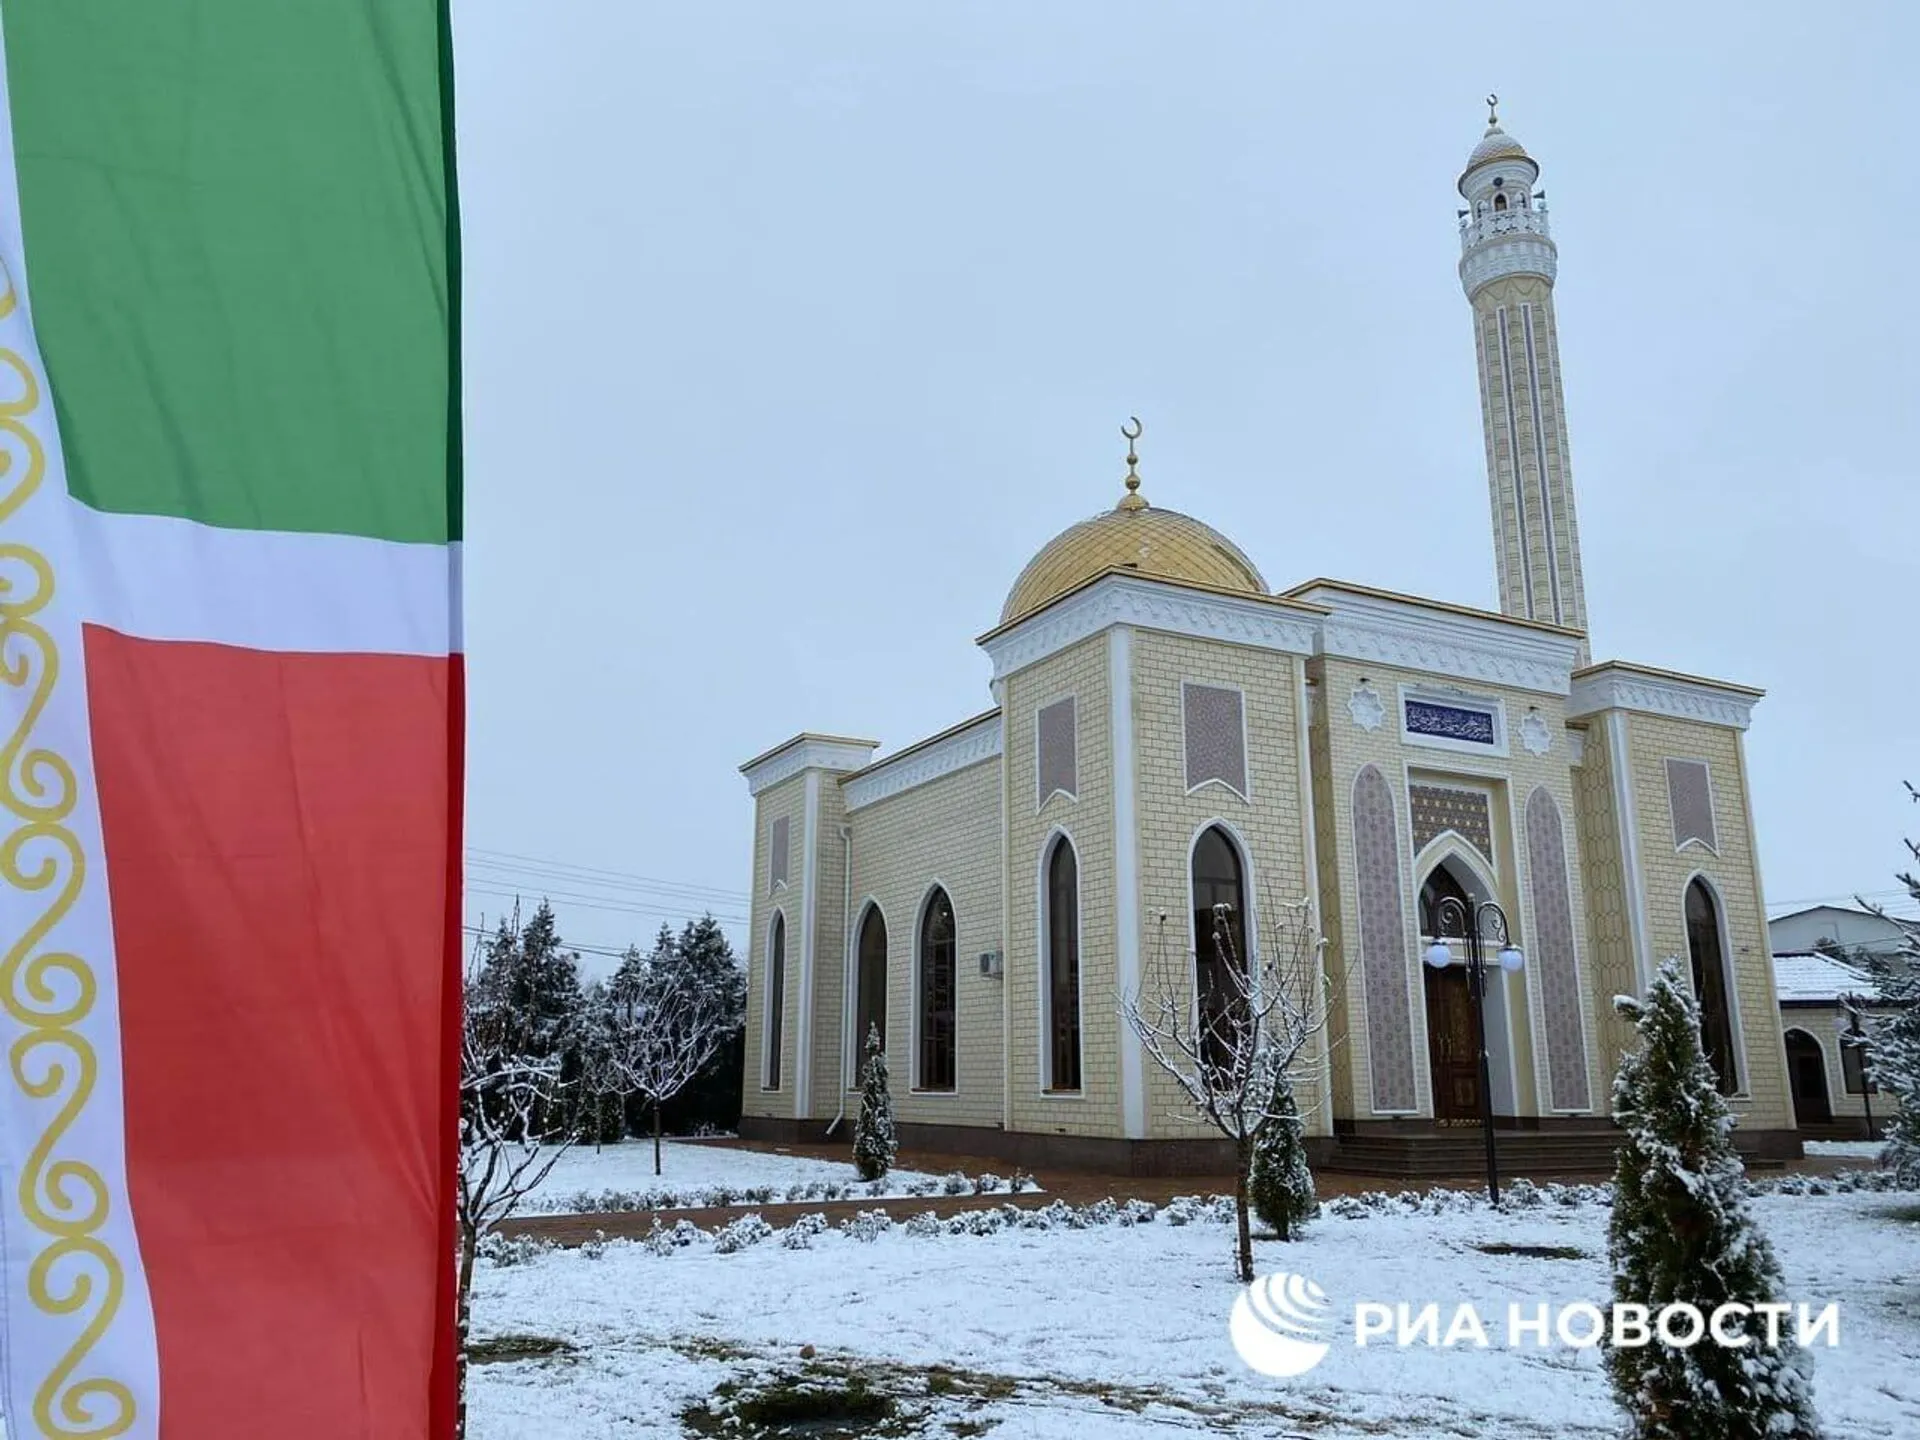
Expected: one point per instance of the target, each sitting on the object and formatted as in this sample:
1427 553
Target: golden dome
1161 544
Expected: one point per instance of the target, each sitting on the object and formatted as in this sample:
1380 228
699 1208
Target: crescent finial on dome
1133 499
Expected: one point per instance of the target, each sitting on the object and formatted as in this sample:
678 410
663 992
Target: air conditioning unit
990 963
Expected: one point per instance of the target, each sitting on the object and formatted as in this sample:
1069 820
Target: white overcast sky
793 329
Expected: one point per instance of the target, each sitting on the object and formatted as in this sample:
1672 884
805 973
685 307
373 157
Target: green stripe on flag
237 217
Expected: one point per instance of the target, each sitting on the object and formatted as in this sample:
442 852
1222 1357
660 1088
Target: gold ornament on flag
65 1199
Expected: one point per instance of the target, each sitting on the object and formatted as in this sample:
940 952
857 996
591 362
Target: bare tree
1226 1026
658 1030
508 1090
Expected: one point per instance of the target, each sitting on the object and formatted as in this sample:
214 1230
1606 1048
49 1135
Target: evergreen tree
1681 1232
704 957
526 970
874 1145
1892 1058
602 1110
707 961
1281 1184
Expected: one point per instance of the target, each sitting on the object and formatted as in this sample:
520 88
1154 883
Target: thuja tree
1892 1052
874 1144
1682 1233
1281 1183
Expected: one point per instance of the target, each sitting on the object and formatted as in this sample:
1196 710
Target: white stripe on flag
156 577
60 1379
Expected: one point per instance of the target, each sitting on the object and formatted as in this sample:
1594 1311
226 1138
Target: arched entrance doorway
1452 1054
1807 1077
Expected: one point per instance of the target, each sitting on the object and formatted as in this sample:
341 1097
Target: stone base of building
1540 1148
1025 1150
1844 1127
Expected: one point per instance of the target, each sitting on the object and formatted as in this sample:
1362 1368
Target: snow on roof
1807 975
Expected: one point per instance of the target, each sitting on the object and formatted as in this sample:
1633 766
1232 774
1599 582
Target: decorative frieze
969 745
1150 605
806 752
1615 686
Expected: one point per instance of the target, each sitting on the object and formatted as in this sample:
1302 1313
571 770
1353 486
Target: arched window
1440 884
870 987
1063 967
938 967
1500 202
776 1002
1707 951
1219 941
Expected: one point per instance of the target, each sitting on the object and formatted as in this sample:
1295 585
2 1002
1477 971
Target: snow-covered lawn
712 1172
1856 1149
1122 1330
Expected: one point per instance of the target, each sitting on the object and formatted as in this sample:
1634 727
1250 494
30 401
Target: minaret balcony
1496 224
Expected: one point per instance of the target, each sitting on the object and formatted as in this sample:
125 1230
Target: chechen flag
230 718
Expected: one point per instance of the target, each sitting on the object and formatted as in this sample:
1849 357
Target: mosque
1169 733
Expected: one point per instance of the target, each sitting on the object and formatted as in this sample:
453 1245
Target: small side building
1821 998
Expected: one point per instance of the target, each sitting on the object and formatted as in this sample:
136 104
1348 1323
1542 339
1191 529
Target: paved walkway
1074 1187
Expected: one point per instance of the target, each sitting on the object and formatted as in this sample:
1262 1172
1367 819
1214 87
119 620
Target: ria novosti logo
1282 1325
1277 1323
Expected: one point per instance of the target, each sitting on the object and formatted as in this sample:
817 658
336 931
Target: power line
599 875
613 906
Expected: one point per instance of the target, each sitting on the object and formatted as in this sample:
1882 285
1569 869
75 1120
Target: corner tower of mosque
1169 741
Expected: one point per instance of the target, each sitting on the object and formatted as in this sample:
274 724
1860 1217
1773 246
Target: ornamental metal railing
1495 223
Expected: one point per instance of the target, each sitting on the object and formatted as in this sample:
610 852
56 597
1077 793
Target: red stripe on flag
277 843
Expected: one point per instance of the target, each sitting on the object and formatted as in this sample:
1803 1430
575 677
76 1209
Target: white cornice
1608 688
1411 636
1149 605
1508 255
978 742
806 752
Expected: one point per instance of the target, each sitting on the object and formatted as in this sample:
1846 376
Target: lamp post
1477 925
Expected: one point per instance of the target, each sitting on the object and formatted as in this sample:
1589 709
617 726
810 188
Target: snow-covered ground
711 1172
1122 1330
1856 1149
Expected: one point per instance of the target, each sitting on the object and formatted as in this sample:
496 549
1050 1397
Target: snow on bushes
867 1226
738 1234
799 1235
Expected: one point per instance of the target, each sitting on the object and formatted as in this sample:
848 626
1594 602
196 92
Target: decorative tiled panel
1553 961
1383 941
1216 737
1690 797
1056 751
1466 724
1437 809
777 853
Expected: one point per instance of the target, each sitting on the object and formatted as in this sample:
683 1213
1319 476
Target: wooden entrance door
1456 1063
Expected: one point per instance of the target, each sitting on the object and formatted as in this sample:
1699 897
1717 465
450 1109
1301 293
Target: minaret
1507 265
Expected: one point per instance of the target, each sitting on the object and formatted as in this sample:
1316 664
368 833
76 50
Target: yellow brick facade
786 800
1082 672
1733 871
1271 824
947 833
